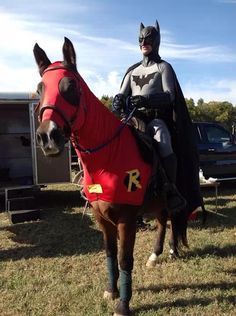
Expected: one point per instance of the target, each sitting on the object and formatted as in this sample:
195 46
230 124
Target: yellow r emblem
134 176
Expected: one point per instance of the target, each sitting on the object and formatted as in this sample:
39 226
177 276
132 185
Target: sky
197 38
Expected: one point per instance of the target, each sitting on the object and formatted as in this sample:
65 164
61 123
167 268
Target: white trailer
23 167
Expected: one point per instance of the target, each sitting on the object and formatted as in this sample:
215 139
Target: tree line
213 111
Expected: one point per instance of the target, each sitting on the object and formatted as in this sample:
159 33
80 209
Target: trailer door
48 170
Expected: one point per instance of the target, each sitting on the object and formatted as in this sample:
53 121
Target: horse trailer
23 166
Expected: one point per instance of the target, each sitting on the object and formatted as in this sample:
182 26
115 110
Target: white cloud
103 86
197 53
211 90
19 72
23 80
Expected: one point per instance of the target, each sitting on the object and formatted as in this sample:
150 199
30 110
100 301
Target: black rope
119 130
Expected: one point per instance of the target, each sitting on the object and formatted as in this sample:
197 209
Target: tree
200 102
223 112
191 108
107 101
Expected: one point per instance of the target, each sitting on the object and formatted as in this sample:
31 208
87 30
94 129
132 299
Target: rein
116 134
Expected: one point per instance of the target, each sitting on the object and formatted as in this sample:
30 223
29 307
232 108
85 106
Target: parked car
217 149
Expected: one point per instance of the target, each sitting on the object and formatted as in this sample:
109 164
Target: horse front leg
127 232
160 238
110 243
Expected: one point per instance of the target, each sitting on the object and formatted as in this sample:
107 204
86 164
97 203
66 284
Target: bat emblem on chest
143 79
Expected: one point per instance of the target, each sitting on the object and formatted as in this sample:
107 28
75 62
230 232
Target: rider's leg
159 131
169 163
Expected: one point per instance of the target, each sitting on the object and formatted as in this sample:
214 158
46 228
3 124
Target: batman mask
150 35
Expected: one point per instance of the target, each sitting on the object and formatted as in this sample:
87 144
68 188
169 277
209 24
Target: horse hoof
152 261
110 295
122 309
173 255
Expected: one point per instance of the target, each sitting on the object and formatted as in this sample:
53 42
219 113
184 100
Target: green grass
56 266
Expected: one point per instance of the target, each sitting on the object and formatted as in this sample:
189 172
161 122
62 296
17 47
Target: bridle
70 122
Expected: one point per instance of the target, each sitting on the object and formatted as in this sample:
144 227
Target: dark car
217 149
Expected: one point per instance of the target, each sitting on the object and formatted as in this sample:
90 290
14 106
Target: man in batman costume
152 88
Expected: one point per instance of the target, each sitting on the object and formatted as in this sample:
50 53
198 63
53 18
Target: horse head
60 96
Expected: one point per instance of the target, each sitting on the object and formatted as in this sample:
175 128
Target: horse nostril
56 136
42 139
38 138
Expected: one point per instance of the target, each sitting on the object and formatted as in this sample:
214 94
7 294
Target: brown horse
115 175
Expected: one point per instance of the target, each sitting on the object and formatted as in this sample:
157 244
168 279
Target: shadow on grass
209 250
59 233
225 214
223 218
194 286
193 301
181 303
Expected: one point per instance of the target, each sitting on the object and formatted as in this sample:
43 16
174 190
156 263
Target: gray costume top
149 80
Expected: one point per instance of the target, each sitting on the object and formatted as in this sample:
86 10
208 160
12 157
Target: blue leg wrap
113 272
125 285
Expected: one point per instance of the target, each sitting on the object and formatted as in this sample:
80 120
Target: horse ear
69 54
41 58
141 26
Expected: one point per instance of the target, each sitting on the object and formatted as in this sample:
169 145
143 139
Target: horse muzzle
50 138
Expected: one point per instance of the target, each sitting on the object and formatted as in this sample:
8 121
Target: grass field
56 266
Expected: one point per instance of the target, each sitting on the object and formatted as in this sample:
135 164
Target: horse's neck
99 124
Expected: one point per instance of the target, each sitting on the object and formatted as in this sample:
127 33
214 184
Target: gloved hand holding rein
150 101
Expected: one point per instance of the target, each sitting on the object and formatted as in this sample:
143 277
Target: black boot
175 201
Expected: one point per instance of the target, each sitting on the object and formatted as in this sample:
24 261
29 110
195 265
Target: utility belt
164 113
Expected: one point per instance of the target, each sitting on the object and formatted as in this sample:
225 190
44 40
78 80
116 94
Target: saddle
145 145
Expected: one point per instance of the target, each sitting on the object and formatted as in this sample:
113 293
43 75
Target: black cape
185 147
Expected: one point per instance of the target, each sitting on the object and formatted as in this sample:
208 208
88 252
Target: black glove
137 101
118 103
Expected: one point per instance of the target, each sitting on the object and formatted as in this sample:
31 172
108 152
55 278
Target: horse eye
68 90
40 88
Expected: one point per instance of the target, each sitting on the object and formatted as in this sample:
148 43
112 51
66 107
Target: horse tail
179 222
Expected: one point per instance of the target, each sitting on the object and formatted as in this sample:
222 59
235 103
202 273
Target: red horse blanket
117 176
116 173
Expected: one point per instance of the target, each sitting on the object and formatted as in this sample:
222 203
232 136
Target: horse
116 177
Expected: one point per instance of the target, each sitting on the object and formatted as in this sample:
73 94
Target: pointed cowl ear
41 58
157 27
69 54
141 27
